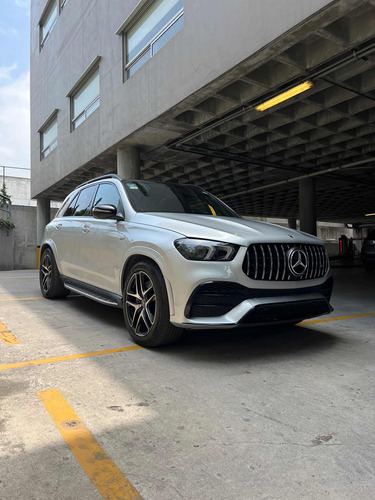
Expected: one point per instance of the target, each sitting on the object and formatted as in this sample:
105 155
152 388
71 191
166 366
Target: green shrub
7 224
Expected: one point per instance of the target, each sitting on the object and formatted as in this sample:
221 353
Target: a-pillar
307 206
292 223
43 215
128 162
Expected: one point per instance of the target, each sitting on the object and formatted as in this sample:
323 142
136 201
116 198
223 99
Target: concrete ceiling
253 160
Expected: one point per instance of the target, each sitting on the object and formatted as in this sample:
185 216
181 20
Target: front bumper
229 305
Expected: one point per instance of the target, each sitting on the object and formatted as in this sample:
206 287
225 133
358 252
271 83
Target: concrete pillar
292 223
43 215
128 162
307 206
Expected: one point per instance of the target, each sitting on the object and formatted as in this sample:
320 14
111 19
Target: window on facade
157 25
85 100
48 138
48 22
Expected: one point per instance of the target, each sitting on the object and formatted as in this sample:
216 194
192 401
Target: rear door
71 234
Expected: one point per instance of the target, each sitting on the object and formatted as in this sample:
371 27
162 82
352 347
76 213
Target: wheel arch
50 244
138 257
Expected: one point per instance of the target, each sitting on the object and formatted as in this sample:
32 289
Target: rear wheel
51 284
146 308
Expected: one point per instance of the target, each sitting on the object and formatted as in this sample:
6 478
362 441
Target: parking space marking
22 298
68 358
102 471
335 319
7 336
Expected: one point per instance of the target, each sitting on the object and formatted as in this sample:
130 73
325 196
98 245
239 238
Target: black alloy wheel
146 308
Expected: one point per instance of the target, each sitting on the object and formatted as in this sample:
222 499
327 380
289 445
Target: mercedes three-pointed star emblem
297 262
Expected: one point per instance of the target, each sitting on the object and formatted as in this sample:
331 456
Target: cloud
5 72
15 121
22 3
8 31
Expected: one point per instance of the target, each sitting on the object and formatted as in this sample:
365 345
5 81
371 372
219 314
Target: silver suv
175 256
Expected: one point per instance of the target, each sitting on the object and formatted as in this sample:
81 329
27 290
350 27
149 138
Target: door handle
59 226
86 228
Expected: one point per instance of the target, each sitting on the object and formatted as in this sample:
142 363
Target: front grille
270 262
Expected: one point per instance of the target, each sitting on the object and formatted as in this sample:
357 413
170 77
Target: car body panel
95 252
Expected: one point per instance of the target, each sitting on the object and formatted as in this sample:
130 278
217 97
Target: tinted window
107 194
70 210
83 206
174 198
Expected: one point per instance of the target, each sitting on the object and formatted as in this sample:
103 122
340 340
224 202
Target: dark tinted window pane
172 198
70 210
107 194
83 206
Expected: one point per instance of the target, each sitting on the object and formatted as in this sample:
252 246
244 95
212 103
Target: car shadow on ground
257 341
254 342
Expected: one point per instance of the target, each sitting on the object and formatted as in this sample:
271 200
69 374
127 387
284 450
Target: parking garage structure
188 105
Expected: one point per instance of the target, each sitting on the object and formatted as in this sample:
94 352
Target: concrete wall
216 36
6 249
19 250
24 219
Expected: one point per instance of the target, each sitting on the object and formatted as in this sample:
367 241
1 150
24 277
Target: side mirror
106 212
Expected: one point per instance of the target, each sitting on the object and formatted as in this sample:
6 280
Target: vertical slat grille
269 261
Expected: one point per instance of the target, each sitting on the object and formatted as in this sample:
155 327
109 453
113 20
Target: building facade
116 84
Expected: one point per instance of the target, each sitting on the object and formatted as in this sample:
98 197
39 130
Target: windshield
174 198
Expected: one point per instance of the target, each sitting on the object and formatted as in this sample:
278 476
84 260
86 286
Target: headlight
206 250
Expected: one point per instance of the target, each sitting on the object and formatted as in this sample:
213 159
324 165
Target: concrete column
42 217
128 162
292 223
307 206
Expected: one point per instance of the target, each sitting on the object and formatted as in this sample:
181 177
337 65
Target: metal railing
5 201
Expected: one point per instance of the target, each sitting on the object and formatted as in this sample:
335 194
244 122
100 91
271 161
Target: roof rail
108 176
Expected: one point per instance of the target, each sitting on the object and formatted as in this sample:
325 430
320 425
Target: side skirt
92 292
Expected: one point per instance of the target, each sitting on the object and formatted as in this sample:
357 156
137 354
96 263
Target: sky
14 84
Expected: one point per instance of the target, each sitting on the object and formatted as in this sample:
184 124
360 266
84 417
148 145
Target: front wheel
51 284
146 309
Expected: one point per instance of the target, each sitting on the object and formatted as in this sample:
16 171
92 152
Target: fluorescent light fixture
285 96
368 215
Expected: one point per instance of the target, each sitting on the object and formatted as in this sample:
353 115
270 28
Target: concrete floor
284 413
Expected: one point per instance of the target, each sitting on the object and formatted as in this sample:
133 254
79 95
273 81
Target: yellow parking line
7 336
102 471
67 358
22 298
335 319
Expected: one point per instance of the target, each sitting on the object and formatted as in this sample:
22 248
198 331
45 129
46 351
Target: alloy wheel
46 272
140 300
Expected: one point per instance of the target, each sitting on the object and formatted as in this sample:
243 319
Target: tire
146 308
51 284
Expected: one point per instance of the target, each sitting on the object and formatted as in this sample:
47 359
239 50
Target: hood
228 229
